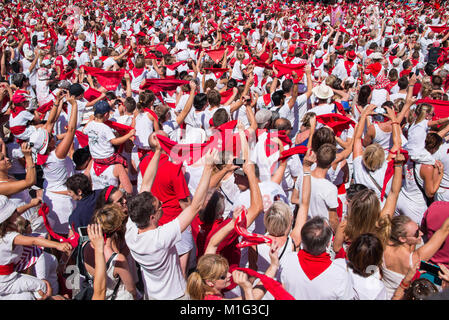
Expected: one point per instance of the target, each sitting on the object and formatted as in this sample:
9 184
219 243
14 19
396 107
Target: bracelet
30 167
403 285
395 122
398 165
306 173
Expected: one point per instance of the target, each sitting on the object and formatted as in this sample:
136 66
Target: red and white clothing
334 283
100 136
16 286
18 124
105 179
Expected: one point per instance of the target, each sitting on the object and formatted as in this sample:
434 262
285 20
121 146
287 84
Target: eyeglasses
416 235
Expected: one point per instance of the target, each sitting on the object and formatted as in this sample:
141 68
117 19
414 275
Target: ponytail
195 286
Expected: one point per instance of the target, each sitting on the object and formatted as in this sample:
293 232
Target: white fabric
100 136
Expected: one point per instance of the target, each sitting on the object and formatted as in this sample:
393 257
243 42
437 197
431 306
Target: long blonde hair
422 111
210 267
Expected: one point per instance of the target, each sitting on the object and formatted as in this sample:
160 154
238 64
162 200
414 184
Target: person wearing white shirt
310 274
153 247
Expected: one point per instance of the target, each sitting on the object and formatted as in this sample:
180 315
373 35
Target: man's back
333 283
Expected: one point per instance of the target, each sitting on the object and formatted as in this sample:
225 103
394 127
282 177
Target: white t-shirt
100 136
105 179
156 253
323 196
369 288
333 284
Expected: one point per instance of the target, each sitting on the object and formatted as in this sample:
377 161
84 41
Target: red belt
7 269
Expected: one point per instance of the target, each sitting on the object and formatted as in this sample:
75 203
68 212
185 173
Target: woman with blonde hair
404 250
119 283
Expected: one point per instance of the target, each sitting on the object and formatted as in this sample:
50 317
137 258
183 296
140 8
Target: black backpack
87 286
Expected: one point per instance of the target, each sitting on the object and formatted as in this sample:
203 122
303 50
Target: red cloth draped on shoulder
336 121
108 79
83 139
226 95
440 107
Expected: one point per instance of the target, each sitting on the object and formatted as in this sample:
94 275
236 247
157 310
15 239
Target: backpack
87 286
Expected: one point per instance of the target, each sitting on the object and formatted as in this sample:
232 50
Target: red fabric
108 79
122 129
287 69
340 108
439 29
218 72
336 121
212 297
41 159
440 107
100 165
432 221
66 75
169 186
216 54
16 110
6 269
16 130
73 240
374 69
226 95
404 73
91 94
45 107
190 152
158 85
348 66
312 265
341 254
273 286
249 239
389 172
271 147
175 65
291 151
83 139
153 114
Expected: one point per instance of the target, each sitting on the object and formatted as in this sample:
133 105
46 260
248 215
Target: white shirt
323 196
156 253
369 288
333 284
100 136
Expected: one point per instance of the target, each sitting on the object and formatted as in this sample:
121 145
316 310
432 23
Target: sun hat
323 91
7 208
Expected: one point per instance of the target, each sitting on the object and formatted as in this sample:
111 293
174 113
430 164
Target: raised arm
96 239
150 173
13 187
183 114
301 216
357 148
390 204
64 146
188 214
427 251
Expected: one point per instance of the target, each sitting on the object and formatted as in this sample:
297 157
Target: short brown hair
325 155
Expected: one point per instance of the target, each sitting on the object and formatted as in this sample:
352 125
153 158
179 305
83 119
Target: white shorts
61 207
186 243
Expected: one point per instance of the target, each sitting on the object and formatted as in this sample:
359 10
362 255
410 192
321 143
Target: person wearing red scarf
311 274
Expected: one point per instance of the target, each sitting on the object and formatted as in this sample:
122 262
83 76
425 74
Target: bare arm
13 187
150 173
96 239
427 251
303 210
64 146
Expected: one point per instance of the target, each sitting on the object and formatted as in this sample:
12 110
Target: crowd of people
212 150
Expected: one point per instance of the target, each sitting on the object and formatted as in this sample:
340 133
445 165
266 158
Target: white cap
33 22
40 139
397 61
182 55
7 208
319 53
323 91
376 55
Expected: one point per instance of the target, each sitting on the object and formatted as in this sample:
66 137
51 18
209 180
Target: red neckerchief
348 66
318 62
270 146
137 72
312 265
16 110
